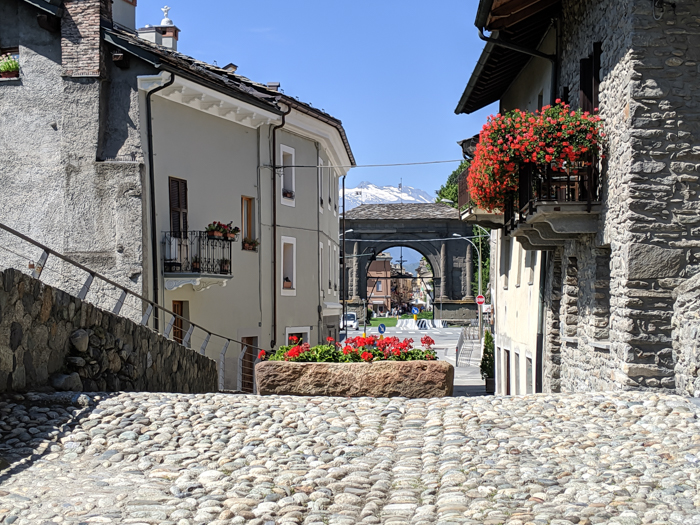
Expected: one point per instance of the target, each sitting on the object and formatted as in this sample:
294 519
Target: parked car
351 321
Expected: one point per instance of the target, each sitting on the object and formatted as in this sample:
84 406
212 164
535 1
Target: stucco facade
76 138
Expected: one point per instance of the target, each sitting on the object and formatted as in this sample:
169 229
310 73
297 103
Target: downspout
343 291
532 52
318 240
273 342
152 184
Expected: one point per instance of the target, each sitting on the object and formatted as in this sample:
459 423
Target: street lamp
478 251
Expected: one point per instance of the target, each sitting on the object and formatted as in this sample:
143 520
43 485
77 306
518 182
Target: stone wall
686 337
51 339
71 165
649 237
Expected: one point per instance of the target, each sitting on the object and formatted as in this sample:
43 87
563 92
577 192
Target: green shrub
487 359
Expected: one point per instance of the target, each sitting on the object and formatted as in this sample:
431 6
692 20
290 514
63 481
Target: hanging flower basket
554 137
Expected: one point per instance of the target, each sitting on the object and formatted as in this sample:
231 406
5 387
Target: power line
373 165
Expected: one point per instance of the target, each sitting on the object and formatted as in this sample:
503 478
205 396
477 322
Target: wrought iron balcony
197 252
555 203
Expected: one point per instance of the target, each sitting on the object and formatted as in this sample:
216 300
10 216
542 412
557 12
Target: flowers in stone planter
9 66
555 135
356 350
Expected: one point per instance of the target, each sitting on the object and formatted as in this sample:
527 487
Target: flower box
411 379
215 234
9 74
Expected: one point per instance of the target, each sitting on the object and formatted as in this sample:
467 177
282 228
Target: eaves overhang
157 61
498 66
51 7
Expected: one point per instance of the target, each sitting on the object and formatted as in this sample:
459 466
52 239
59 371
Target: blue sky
392 71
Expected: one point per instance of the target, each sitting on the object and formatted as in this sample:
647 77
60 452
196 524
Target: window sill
291 202
12 79
290 292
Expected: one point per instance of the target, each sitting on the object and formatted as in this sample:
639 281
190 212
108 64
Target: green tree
485 247
450 190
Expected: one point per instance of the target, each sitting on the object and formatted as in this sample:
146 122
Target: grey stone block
67 382
648 261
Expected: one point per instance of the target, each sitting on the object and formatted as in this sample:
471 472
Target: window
330 268
528 377
335 270
178 205
301 333
531 266
520 264
331 182
320 183
289 266
288 175
320 267
589 79
379 285
505 260
540 100
516 371
247 218
247 372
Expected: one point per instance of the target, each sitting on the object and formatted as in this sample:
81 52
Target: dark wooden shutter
178 205
586 84
595 63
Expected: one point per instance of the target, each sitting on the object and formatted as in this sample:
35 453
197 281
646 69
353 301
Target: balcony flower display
9 66
553 136
356 350
219 230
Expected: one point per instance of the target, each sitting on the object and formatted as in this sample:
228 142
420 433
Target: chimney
274 86
81 45
166 34
124 13
231 68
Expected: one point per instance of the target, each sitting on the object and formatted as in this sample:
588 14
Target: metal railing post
204 344
188 335
40 265
222 364
147 315
120 303
86 287
168 328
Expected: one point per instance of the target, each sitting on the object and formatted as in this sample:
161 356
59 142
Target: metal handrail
92 274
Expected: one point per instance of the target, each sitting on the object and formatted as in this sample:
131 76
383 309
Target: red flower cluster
427 341
296 351
555 135
366 356
261 354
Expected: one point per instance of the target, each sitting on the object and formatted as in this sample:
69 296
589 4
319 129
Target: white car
351 321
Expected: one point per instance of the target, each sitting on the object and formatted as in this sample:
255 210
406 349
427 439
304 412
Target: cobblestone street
622 458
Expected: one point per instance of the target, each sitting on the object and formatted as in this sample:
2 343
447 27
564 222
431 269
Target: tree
487 359
450 190
485 246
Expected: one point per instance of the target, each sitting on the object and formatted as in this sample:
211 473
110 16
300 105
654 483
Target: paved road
468 380
625 458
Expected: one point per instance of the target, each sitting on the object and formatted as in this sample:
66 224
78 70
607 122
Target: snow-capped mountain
368 193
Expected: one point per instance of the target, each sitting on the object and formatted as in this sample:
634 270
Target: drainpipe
532 52
343 290
152 184
273 343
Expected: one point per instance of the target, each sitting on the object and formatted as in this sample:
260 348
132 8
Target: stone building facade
610 295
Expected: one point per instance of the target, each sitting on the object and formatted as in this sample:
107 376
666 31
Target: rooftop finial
166 21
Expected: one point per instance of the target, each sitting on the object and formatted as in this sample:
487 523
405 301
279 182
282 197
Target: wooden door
248 365
178 334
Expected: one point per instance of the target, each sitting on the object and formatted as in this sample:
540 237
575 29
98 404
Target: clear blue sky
392 71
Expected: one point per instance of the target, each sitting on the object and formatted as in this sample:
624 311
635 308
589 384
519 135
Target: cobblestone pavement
624 458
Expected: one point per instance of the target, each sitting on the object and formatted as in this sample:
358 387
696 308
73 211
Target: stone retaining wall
50 339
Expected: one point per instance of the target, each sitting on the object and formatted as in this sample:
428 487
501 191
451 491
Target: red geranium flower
261 354
367 356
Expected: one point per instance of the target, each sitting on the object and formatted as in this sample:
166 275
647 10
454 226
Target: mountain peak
369 193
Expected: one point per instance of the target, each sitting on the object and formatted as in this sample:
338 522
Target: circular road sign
382 328
415 310
480 299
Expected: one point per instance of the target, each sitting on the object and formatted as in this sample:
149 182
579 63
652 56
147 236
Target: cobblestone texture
626 458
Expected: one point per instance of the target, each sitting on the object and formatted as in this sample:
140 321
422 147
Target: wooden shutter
595 63
178 205
586 84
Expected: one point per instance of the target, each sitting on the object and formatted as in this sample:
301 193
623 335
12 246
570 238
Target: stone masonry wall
551 361
51 339
650 102
686 337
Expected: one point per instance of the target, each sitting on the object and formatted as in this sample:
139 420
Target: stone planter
412 379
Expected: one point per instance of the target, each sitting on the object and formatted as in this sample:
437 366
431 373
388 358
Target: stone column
469 271
354 271
443 271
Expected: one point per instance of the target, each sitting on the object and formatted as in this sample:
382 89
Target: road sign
480 299
382 328
415 310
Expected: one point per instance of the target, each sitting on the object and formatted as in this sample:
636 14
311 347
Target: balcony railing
576 183
197 252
